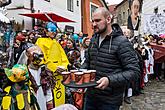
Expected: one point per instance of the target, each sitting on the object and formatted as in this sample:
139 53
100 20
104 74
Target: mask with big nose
35 55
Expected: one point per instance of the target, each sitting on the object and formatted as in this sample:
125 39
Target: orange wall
87 28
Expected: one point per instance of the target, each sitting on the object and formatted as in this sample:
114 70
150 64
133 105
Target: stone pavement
152 99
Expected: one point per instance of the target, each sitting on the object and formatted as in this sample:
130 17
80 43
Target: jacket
115 59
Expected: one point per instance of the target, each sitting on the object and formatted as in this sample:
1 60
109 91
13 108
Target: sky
111 2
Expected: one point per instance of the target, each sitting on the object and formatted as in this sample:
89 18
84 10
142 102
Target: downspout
104 4
82 16
32 11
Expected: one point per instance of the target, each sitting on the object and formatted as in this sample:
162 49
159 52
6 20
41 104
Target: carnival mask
35 55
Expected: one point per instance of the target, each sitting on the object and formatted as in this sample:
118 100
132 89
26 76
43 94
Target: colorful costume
16 91
54 56
41 78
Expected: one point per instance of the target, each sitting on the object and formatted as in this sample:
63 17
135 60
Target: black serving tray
72 84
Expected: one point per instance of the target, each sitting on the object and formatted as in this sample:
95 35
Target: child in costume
16 91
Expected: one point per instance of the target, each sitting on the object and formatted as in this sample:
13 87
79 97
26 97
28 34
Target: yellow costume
17 95
54 56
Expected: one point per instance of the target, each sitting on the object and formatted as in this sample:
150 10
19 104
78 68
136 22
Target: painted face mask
35 55
37 58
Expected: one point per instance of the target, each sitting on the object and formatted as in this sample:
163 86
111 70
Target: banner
154 24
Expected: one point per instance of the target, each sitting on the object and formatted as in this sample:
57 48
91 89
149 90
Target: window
124 18
123 15
93 7
156 10
128 11
77 2
70 5
47 0
119 19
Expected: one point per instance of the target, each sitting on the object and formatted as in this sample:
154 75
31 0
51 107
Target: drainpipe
82 15
32 11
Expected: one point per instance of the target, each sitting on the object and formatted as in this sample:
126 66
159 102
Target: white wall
19 18
149 5
148 8
17 3
15 13
58 7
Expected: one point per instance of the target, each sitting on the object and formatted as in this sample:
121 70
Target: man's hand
60 69
102 83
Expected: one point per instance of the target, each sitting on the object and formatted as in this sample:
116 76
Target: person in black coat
115 62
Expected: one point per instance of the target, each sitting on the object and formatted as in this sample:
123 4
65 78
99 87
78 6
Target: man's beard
100 31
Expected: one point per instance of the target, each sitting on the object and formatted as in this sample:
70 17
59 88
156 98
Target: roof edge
104 3
121 3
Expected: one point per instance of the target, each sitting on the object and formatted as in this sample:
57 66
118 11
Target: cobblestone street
152 99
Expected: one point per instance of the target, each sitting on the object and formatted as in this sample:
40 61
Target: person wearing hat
54 58
41 78
19 46
16 93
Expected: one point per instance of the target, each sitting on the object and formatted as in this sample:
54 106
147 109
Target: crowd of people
42 50
35 59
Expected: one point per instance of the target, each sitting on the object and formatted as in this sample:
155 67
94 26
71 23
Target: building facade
88 6
70 9
122 12
112 10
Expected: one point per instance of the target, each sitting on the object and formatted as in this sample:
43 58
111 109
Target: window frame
70 5
47 0
91 10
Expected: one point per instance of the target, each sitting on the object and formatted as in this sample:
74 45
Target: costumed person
43 82
144 54
15 91
149 63
55 60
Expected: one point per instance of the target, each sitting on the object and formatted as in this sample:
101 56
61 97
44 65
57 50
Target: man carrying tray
115 62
